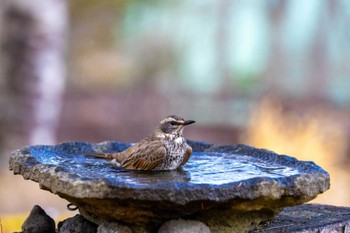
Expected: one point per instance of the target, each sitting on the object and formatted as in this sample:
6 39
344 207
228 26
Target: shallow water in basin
203 168
221 168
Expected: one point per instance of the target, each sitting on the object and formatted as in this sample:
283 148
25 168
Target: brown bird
164 149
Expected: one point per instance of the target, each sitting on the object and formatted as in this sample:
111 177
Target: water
203 168
221 168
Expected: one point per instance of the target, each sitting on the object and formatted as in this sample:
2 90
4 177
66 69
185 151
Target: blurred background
272 74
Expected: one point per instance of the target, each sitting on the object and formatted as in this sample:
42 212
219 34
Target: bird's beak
188 122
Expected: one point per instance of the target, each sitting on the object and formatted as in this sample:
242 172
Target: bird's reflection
151 177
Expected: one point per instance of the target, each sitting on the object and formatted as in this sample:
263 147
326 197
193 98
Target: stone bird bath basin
226 187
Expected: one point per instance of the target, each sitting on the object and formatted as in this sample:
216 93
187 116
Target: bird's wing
187 155
145 156
104 155
119 156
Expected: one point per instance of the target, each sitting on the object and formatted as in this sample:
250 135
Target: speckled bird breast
175 153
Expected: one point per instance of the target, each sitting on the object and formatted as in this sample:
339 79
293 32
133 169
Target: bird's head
173 126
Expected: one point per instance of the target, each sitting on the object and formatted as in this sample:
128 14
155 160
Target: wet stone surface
217 180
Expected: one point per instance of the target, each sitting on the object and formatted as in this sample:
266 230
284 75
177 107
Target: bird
164 149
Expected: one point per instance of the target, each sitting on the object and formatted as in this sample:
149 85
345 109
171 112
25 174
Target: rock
232 221
38 221
77 224
235 180
309 218
113 228
184 226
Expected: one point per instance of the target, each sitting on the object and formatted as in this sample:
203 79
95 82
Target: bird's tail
117 156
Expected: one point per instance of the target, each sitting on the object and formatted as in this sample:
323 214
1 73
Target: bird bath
223 186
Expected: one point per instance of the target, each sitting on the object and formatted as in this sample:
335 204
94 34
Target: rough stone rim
178 193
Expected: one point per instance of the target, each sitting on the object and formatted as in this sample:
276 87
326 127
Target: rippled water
203 168
221 168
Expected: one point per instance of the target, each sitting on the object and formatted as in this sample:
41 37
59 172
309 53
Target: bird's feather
104 155
187 155
145 156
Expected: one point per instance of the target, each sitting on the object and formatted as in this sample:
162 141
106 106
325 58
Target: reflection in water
203 168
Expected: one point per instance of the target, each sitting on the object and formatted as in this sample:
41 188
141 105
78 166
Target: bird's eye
173 123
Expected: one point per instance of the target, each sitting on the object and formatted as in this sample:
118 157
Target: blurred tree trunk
33 46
